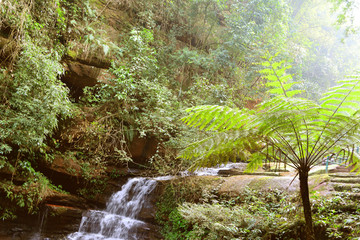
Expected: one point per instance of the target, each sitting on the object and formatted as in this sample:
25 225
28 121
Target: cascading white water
119 220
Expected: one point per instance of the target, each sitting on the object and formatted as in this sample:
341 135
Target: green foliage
167 214
336 216
135 103
92 170
239 125
177 228
302 130
28 195
223 40
346 15
322 55
270 214
35 99
6 213
216 149
189 53
256 28
279 82
42 20
175 193
252 215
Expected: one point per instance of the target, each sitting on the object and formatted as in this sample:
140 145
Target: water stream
120 219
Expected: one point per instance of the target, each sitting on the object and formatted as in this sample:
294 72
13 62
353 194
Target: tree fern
298 131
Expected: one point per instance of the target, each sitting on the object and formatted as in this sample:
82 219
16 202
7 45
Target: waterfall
119 221
42 220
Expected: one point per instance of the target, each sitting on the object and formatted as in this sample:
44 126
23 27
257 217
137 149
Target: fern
278 81
300 132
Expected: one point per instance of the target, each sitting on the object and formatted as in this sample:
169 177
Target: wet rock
141 149
148 211
65 166
19 229
78 75
149 232
56 221
63 171
67 200
52 221
12 231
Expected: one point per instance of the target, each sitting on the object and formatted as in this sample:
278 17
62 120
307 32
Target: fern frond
301 130
221 148
216 118
278 81
255 162
344 97
339 110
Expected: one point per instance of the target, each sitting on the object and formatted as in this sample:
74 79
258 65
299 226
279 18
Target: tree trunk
304 191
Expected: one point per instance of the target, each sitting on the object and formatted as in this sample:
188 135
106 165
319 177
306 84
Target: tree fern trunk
304 191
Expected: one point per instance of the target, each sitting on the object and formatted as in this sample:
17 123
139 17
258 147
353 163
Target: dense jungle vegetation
146 64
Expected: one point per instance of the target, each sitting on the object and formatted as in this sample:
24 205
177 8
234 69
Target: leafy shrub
337 216
26 196
35 99
252 215
135 102
175 226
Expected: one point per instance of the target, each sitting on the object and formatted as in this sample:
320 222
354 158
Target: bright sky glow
356 13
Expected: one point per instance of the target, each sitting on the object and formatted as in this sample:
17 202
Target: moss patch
236 184
260 182
71 54
319 183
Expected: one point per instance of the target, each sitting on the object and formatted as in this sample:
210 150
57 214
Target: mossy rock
346 180
341 187
345 175
72 54
236 184
319 182
259 183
